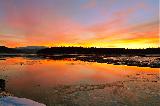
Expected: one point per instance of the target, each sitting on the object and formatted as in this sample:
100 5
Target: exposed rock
2 84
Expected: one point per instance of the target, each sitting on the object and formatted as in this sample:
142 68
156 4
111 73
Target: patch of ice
15 101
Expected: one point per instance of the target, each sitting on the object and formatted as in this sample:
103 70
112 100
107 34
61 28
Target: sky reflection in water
33 79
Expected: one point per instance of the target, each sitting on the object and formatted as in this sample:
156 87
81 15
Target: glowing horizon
86 23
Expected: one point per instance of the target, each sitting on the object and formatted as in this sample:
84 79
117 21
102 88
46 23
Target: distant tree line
81 50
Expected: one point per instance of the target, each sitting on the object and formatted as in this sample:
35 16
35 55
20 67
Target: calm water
35 78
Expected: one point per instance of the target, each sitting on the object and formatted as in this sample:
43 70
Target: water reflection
36 78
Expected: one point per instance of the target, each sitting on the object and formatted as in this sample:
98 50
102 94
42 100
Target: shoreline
140 61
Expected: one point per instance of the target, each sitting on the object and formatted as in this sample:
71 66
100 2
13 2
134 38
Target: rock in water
2 84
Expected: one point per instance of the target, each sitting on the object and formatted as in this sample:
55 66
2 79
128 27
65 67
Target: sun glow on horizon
131 44
106 24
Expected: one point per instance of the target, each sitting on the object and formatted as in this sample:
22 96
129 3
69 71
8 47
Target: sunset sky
88 23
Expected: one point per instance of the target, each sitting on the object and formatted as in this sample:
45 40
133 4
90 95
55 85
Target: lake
68 82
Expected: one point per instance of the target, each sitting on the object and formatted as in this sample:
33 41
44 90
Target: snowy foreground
14 101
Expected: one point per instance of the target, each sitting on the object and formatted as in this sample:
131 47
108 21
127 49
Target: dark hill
4 49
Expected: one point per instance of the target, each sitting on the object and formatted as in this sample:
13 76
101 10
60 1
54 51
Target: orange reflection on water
47 73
